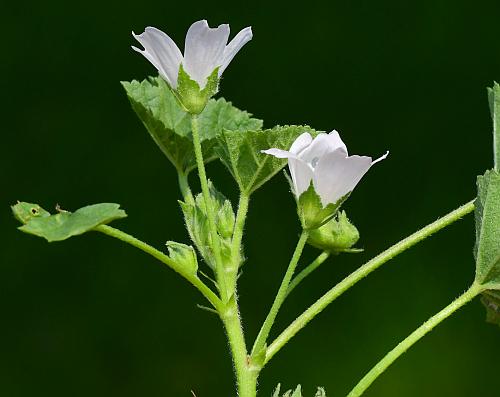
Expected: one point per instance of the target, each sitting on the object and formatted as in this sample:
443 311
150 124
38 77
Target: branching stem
280 296
301 321
214 237
192 278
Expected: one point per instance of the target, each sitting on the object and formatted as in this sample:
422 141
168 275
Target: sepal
184 255
196 218
191 97
311 212
337 235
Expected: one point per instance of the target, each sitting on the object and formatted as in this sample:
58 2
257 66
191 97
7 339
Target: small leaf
320 392
65 224
184 256
240 151
487 214
170 127
297 392
491 301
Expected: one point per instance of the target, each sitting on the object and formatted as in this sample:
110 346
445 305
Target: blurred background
94 317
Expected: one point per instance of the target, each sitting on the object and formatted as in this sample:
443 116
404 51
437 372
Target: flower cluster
320 167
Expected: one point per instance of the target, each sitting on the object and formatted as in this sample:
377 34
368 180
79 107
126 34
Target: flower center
314 162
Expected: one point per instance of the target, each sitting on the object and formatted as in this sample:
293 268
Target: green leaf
487 215
494 100
195 216
184 256
65 224
240 151
170 126
491 301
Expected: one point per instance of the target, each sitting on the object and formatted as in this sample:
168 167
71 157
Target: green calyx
184 255
196 218
311 212
188 92
337 235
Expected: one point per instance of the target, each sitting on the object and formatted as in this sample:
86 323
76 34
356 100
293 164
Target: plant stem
239 226
246 374
301 321
192 278
308 270
280 296
184 186
221 276
414 337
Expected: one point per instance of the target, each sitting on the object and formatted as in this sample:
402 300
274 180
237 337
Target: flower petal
381 158
281 154
162 52
337 175
321 145
336 142
303 141
243 37
204 50
301 173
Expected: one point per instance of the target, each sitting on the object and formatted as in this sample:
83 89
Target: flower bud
337 235
183 255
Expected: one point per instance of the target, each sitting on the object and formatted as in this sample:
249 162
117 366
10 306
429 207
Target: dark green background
93 317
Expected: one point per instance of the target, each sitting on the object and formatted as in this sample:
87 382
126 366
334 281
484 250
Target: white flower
205 49
326 163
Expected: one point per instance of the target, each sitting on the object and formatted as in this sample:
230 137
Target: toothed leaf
169 124
240 151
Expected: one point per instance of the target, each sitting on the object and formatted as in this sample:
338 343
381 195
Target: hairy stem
184 187
239 226
192 278
414 337
301 321
308 270
246 375
280 296
220 274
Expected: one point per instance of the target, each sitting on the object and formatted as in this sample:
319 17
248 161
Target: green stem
301 321
308 270
246 374
280 296
192 278
184 187
239 226
414 337
221 276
